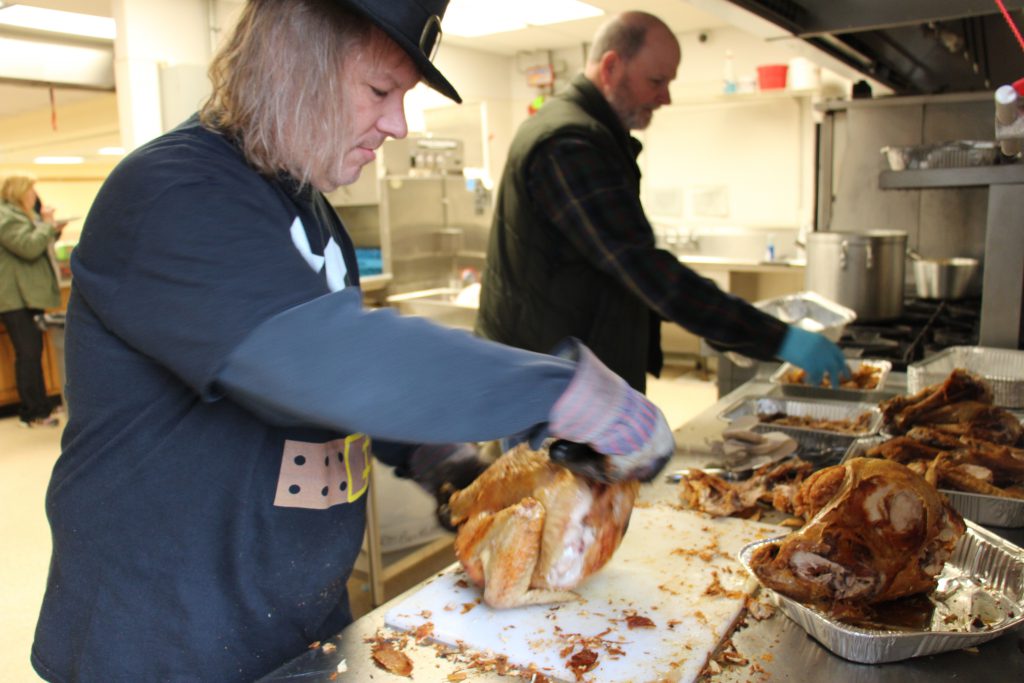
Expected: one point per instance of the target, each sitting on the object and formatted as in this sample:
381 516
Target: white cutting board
657 572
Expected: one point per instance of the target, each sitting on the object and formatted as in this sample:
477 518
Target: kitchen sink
731 245
439 305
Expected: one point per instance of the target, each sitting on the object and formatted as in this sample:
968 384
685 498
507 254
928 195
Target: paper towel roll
803 74
1006 104
1007 111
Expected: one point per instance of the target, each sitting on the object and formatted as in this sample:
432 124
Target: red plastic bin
772 76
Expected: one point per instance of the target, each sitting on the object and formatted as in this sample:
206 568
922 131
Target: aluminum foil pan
811 312
805 390
979 597
1003 369
977 507
820 409
988 510
821 449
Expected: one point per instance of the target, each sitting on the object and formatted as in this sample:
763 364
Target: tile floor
27 456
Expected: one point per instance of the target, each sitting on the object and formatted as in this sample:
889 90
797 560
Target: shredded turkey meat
865 377
773 484
858 425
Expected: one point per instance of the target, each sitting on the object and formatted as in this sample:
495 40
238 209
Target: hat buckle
430 37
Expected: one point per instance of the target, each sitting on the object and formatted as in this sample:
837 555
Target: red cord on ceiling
53 109
1009 20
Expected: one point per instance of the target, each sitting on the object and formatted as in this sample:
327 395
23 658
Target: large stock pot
863 271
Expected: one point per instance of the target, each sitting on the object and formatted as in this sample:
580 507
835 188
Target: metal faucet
680 243
689 244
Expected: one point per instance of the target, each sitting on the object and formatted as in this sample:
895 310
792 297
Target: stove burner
868 333
868 340
925 327
944 338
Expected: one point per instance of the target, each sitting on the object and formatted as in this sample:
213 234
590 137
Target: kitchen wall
710 160
940 223
161 67
70 189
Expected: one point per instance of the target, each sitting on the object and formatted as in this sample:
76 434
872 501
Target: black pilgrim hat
416 26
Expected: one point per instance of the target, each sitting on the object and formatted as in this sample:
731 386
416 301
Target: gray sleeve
331 363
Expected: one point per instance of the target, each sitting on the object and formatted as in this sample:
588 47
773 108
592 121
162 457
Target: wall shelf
974 176
701 97
1002 298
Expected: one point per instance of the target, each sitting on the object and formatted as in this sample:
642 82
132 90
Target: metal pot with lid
863 271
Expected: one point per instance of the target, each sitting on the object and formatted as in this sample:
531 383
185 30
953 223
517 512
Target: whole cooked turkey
530 530
876 532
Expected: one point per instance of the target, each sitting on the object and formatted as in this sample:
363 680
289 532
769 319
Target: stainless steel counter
780 648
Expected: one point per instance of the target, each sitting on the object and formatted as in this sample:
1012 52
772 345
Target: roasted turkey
952 434
961 405
529 530
876 532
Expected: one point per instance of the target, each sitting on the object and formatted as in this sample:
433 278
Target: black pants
28 362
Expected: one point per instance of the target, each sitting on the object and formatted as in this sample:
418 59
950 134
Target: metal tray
821 449
1003 369
808 391
953 154
811 312
977 507
984 576
439 305
821 409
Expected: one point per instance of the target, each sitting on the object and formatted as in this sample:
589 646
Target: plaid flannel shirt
590 201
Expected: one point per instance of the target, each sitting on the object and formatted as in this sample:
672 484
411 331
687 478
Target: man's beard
632 117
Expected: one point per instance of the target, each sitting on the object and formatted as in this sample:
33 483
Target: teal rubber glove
815 354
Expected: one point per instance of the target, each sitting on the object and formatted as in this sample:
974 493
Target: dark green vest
538 289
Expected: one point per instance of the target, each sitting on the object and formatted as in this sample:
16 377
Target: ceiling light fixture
57 21
472 19
47 161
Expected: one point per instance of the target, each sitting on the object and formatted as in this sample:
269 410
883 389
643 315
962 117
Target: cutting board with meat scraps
655 612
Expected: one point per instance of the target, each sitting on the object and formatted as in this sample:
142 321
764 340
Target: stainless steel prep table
777 645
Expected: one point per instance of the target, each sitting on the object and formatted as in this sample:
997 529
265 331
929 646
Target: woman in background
27 286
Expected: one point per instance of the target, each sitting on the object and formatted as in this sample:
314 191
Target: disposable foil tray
821 449
954 154
811 312
819 409
805 390
977 507
980 596
1003 369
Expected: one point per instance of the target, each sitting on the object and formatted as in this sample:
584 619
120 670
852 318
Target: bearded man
571 252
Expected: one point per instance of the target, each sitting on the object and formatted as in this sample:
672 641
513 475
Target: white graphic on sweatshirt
332 258
317 476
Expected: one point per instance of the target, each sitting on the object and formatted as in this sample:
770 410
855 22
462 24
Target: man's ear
608 67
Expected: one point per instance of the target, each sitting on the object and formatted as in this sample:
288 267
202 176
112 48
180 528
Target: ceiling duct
33 61
912 46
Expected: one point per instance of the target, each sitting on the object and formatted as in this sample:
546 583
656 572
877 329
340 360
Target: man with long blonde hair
227 390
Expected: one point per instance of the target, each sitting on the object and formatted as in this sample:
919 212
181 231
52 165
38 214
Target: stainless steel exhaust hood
915 47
